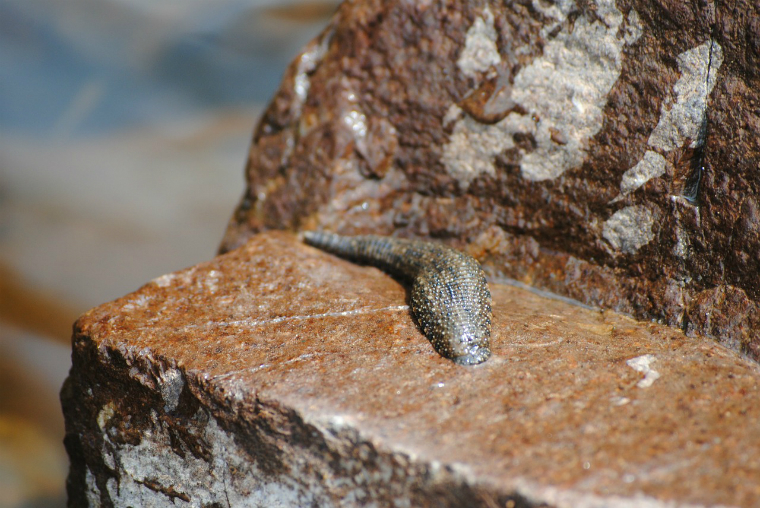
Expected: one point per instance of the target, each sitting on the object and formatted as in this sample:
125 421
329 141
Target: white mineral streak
629 229
642 364
480 52
307 63
682 120
564 92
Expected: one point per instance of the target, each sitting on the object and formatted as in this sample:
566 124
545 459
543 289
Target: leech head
472 347
475 356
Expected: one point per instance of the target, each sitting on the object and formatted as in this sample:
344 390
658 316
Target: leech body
450 298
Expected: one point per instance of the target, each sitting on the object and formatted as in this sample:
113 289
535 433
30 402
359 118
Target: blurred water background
124 130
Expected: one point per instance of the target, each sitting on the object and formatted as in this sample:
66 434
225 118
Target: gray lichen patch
480 52
472 146
170 384
152 473
682 120
563 92
566 89
652 165
629 229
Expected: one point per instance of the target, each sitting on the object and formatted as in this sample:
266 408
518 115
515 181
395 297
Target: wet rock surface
603 150
280 375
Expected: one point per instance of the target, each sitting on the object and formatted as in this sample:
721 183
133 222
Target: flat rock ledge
277 375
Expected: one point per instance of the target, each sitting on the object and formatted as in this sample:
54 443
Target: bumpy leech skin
450 298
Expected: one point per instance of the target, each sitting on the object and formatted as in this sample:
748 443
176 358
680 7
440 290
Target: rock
278 375
604 150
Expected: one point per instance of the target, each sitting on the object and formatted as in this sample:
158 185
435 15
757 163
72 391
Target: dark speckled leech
450 297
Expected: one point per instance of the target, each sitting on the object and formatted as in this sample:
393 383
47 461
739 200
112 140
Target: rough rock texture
604 150
278 375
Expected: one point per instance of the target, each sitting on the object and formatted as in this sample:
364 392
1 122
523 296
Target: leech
449 295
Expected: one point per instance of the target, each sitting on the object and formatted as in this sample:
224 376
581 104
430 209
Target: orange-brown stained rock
314 368
606 151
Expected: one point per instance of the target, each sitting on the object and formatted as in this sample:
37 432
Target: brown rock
607 151
279 375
